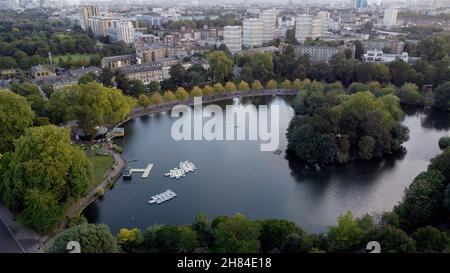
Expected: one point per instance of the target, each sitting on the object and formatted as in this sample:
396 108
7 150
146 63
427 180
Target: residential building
9 4
252 32
145 72
359 4
101 24
377 56
390 17
232 37
119 61
151 53
317 53
303 27
88 12
42 71
269 19
125 31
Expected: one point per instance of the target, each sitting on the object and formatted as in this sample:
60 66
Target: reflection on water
237 177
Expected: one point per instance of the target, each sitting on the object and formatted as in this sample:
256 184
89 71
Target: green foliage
203 228
422 201
129 239
43 175
88 77
262 66
409 94
181 94
237 234
444 142
91 104
346 236
392 240
15 116
220 66
442 97
92 239
230 87
143 101
196 92
278 235
331 127
429 239
256 85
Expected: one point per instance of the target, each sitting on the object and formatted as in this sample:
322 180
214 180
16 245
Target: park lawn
100 167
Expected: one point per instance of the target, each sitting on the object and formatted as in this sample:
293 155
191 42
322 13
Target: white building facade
390 17
232 37
252 32
303 27
269 19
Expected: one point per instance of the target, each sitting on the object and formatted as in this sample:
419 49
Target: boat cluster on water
185 168
162 197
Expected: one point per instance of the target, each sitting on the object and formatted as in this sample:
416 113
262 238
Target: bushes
444 142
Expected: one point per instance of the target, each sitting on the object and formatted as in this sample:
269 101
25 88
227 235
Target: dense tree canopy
90 104
42 175
92 239
15 116
330 127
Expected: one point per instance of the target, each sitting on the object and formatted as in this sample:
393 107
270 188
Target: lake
236 177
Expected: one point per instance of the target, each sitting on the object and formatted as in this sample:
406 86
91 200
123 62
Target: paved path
165 106
119 164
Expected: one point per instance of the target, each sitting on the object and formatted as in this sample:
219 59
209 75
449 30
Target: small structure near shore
127 173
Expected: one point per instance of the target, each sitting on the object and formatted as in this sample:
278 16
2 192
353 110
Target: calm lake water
236 177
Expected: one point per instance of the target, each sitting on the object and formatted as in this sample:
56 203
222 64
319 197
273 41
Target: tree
137 87
382 73
88 77
167 239
286 84
272 84
442 97
154 86
357 87
346 235
237 235
432 49
392 240
208 90
188 239
444 142
422 201
129 239
196 92
399 71
25 89
359 50
177 74
262 66
91 104
43 174
122 82
218 88
7 62
143 101
275 234
156 98
169 96
220 66
429 239
256 85
15 116
243 86
203 228
409 94
181 94
92 239
366 147
230 87
106 77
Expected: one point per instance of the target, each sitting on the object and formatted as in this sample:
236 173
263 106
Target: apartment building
252 32
232 37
